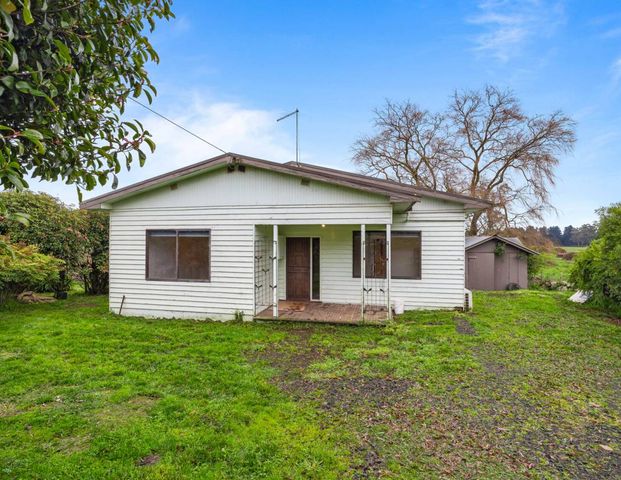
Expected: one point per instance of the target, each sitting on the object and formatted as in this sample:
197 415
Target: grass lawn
528 386
554 268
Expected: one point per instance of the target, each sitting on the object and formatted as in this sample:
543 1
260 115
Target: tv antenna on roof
296 112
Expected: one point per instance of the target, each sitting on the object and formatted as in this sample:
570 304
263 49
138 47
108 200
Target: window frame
409 233
176 232
394 233
315 241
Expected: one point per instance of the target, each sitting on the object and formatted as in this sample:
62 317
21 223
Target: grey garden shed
496 263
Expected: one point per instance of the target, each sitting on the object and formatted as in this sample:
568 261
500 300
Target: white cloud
229 125
508 26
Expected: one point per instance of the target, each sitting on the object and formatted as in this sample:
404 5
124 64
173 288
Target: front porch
320 312
331 273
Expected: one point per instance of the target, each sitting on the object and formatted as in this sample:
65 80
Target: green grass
575 249
527 386
554 268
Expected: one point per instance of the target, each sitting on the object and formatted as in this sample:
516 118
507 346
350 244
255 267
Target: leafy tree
598 268
583 235
22 267
555 234
67 70
78 237
53 227
566 238
94 268
483 145
572 236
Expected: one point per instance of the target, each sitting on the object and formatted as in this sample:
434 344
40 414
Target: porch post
363 264
275 272
388 267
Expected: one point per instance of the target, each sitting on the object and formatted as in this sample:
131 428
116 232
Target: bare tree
411 146
483 145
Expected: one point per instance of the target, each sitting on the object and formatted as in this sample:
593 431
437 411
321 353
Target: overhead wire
177 125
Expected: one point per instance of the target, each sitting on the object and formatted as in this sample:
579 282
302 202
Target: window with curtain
178 255
406 255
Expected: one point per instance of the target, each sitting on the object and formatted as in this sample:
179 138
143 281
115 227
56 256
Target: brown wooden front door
298 268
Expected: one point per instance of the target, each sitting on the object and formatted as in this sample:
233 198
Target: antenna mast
296 112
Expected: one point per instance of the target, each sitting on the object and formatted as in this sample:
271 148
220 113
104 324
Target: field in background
574 249
555 268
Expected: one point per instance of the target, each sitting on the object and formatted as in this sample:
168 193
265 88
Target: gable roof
474 241
396 192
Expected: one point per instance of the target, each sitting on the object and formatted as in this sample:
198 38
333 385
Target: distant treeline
546 239
571 236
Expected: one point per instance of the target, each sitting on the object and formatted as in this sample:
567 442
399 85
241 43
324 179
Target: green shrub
22 268
598 268
535 264
94 268
78 237
53 227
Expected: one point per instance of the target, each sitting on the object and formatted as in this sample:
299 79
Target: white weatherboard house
236 235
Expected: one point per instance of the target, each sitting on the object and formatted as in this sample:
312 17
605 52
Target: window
406 255
375 265
178 255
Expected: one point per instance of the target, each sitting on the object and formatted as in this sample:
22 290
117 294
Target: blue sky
229 69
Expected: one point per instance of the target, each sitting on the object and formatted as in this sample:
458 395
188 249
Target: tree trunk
473 229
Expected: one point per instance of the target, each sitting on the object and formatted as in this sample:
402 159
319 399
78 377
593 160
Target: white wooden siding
234 205
255 197
442 276
442 228
254 187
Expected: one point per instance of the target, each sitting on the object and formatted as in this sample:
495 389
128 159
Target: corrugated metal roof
397 192
469 202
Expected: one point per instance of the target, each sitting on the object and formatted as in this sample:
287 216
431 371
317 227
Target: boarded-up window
406 255
178 255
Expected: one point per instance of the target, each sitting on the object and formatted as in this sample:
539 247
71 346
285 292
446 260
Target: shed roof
396 192
474 241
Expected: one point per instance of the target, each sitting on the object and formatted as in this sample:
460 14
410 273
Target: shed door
480 271
298 268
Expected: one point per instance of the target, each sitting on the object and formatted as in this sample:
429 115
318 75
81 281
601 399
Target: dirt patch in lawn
614 321
355 399
534 430
472 426
463 326
148 460
8 409
74 444
125 412
293 356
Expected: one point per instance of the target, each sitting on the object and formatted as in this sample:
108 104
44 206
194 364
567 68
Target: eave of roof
506 240
396 192
469 202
